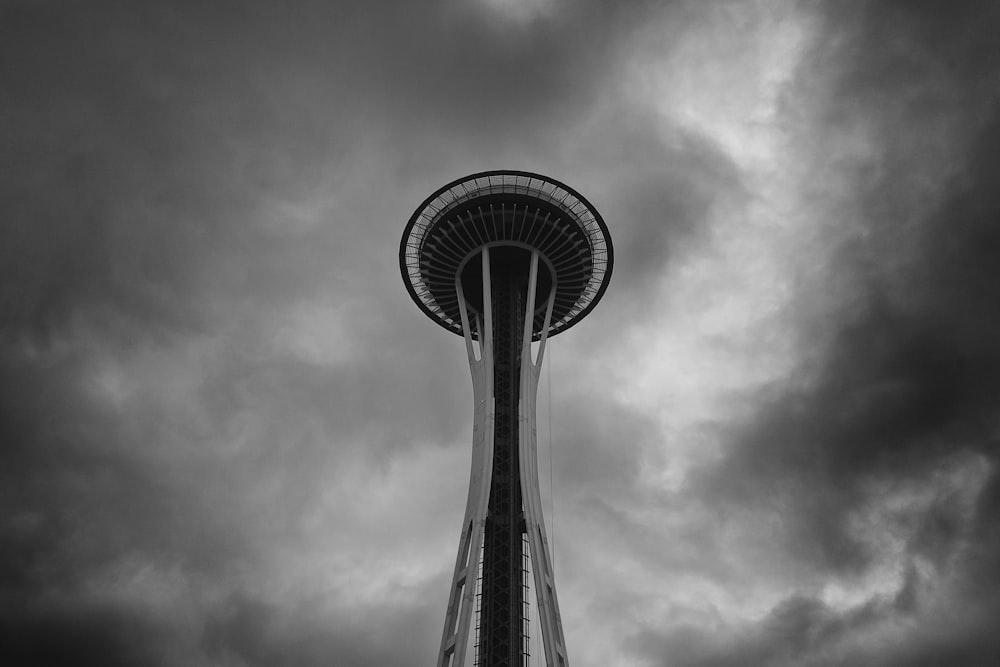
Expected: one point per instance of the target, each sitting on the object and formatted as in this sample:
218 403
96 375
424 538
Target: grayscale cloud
227 437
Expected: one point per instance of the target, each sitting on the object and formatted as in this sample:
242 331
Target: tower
504 259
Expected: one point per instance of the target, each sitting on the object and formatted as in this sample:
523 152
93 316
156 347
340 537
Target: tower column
501 631
504 501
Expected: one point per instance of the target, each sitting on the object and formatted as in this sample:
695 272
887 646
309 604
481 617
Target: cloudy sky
228 437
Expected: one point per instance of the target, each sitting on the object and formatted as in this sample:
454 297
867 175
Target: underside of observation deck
507 208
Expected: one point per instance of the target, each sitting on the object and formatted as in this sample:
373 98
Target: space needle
504 259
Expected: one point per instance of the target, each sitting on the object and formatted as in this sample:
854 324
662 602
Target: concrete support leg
461 598
545 588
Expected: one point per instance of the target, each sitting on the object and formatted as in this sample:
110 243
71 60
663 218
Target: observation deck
506 210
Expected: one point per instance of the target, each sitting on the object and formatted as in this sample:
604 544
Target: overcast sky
228 437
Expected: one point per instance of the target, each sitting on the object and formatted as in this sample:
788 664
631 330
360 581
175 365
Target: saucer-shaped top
507 208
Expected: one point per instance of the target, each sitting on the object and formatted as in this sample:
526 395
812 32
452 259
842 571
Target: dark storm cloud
805 631
135 190
254 632
48 634
908 385
658 204
790 635
165 434
912 370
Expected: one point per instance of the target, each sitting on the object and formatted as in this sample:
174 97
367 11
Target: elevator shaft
501 640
